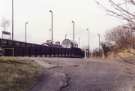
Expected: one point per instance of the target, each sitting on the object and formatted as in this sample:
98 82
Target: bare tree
122 35
124 9
4 24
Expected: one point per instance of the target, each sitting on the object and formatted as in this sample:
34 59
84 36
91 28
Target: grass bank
18 75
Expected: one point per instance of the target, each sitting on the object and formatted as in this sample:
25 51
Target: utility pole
79 42
65 36
99 42
26 23
51 23
73 22
12 19
131 36
88 41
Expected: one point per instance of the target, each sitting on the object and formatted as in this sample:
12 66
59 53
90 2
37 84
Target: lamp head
26 22
73 21
51 11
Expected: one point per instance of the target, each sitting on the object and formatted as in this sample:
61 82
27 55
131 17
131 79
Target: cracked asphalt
66 74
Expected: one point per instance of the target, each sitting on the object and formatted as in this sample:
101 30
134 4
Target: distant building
49 42
57 43
69 44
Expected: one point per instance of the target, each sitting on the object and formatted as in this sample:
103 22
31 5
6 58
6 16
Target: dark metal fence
17 48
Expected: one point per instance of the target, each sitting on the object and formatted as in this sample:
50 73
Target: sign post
6 33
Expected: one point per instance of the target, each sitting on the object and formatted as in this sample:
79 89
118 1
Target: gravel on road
66 74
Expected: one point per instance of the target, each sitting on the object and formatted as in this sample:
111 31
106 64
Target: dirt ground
66 74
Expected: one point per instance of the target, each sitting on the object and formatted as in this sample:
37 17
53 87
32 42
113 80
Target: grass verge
18 75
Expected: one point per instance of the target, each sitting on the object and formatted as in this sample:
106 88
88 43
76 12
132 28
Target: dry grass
18 75
126 53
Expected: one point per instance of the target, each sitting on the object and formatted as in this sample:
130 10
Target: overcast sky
86 14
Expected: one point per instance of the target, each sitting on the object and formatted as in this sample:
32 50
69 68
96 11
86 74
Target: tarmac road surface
63 74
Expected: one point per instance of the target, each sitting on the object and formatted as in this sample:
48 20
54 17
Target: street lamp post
12 19
73 30
132 38
99 42
88 41
26 23
51 23
79 42
65 36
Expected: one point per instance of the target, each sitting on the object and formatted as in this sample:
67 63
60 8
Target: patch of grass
18 75
127 53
